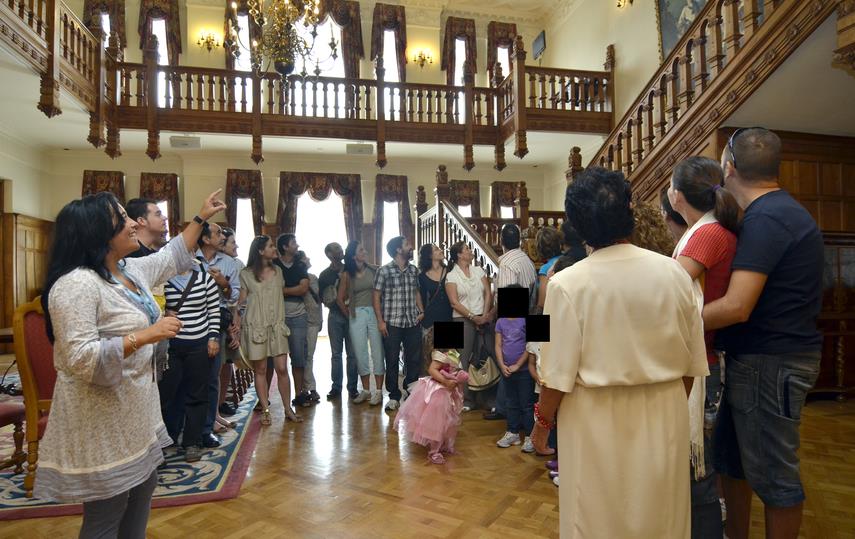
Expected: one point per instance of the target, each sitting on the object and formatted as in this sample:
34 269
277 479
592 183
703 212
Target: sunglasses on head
732 139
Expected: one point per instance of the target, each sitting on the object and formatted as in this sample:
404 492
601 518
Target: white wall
28 178
201 173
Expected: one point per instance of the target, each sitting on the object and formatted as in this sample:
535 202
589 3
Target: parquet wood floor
345 474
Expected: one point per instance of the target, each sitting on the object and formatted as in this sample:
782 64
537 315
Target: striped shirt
398 292
200 312
515 267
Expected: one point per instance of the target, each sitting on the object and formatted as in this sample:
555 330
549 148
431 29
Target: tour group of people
676 380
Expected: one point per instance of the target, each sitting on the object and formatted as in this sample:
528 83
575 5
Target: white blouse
470 290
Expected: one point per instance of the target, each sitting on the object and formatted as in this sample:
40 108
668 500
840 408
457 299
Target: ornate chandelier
280 43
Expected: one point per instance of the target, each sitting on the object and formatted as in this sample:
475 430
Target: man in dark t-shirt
338 325
771 340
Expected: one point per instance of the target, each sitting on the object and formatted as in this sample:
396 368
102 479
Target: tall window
105 26
163 206
243 63
244 228
503 57
390 63
391 228
330 68
465 211
314 238
459 59
158 29
506 212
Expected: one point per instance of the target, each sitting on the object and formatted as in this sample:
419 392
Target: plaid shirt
398 292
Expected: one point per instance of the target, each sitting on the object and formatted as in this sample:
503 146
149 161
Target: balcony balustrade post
49 100
441 192
610 85
256 156
150 58
381 112
519 55
468 137
522 202
499 106
113 57
98 115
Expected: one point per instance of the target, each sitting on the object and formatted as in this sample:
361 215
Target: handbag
483 371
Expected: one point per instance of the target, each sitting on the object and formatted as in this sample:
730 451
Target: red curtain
465 193
392 189
245 184
92 10
388 17
292 185
167 10
157 187
499 34
455 28
95 181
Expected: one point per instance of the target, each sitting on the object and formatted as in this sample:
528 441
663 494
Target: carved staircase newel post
381 113
468 93
113 56
420 207
500 101
522 202
49 100
574 162
441 192
610 87
150 61
97 116
257 155
519 98
844 56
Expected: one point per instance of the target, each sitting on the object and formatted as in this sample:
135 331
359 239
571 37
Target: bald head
755 154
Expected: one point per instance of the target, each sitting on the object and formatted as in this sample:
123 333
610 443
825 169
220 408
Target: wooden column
610 88
98 116
844 56
468 96
750 15
420 207
499 105
522 202
257 156
520 127
49 100
113 56
574 164
441 192
151 122
381 113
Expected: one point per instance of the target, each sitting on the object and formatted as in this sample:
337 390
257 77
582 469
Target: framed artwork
674 18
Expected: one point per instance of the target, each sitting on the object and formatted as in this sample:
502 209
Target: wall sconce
208 41
623 3
421 59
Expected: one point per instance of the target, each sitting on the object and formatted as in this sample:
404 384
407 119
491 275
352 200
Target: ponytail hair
699 179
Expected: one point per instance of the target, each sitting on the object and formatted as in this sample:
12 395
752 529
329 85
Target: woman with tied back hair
625 332
104 440
261 317
706 252
673 220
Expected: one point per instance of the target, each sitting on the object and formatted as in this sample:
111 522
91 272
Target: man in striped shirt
191 353
515 268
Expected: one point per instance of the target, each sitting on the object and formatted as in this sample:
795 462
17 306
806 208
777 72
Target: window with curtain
330 68
245 184
506 212
503 58
459 58
244 229
390 51
105 26
391 229
243 63
158 30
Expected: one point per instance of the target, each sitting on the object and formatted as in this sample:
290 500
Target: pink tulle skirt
431 415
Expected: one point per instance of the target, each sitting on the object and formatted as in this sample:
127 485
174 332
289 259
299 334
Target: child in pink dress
431 414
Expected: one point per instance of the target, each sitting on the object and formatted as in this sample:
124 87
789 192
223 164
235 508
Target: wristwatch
199 220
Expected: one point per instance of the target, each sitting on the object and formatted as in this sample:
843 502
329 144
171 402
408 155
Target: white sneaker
376 398
509 439
555 480
362 397
392 405
528 447
466 409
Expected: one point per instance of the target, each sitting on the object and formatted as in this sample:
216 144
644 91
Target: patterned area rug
218 476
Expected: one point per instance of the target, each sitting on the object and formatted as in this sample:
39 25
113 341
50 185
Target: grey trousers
123 516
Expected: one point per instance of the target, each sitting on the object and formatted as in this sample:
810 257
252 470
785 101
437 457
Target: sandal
219 428
437 458
226 423
265 417
290 415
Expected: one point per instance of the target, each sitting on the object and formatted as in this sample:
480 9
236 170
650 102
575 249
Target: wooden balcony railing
567 89
731 48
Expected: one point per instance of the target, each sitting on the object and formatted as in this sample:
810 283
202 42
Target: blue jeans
519 388
757 436
364 332
411 339
339 335
298 342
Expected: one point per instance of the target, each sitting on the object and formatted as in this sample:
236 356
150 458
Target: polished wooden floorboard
344 473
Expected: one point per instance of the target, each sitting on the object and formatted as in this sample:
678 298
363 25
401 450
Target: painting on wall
675 17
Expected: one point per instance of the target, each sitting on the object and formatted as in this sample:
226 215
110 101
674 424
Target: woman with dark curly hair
548 243
625 334
650 231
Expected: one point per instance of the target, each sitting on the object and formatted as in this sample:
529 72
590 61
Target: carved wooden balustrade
731 48
124 95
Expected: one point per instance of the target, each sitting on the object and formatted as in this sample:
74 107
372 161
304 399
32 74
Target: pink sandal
437 458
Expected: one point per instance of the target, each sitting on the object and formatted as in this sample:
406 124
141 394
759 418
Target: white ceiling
806 94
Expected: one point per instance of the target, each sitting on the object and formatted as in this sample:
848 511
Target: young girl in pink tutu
431 414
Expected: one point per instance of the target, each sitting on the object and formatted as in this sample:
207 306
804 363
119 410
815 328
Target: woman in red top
706 251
